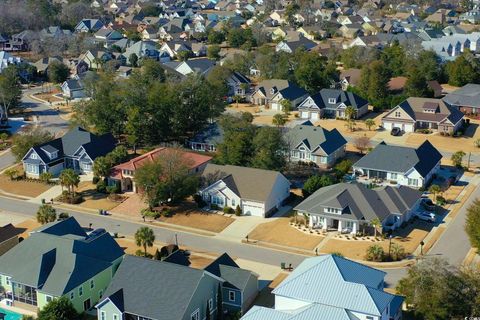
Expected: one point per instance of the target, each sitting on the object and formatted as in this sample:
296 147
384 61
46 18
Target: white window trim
230 292
72 295
103 315
92 284
195 315
80 291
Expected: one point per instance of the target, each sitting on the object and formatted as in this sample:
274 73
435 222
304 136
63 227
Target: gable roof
335 281
360 203
401 159
348 98
75 138
247 183
466 96
224 267
154 289
56 264
316 137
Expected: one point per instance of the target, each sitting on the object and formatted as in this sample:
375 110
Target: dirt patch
450 144
26 188
29 225
199 262
360 127
280 232
94 199
49 96
199 220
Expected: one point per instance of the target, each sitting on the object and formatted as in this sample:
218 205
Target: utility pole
468 162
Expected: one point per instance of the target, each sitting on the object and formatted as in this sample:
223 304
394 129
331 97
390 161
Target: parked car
428 204
452 180
396 131
426 216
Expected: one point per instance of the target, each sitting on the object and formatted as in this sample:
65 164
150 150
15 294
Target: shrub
112 189
441 200
375 253
238 211
167 213
140 253
101 187
397 252
71 198
228 210
199 200
63 216
95 180
214 207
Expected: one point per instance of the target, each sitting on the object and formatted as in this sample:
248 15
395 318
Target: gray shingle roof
401 159
466 96
316 137
348 98
248 183
415 109
57 264
154 289
360 203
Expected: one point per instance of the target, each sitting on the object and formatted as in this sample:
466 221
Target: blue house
77 150
239 286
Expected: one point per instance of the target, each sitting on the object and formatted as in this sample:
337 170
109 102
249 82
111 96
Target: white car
425 216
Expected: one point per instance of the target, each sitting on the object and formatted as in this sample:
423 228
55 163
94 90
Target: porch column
354 228
339 225
310 221
325 224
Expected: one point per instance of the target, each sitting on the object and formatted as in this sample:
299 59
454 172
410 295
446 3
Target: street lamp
390 237
421 247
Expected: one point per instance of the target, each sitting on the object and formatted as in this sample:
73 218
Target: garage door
304 115
408 128
252 210
387 125
276 106
314 116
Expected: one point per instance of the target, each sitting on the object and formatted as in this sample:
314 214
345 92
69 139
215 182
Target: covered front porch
332 224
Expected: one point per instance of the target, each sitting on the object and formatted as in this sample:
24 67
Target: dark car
396 131
428 204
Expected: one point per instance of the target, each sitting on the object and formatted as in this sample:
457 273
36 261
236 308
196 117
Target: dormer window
332 100
34 156
398 114
273 90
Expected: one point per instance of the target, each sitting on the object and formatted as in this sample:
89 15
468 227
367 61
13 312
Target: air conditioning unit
7 302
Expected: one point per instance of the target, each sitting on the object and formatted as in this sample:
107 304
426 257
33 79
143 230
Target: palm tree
375 223
144 237
70 179
46 213
370 123
434 189
375 253
350 112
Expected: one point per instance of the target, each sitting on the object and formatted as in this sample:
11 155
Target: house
43 64
239 286
350 207
9 237
201 66
123 173
257 192
290 46
149 289
207 139
311 144
143 49
60 260
414 167
108 36
424 113
89 25
332 103
173 48
271 92
331 287
7 59
73 89
77 150
466 99
238 85
350 78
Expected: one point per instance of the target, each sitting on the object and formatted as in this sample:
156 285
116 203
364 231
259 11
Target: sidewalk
51 193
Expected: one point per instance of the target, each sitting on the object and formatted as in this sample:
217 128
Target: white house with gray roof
311 144
257 192
466 98
413 167
331 287
350 207
332 103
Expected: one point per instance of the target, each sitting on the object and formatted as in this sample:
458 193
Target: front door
86 304
335 223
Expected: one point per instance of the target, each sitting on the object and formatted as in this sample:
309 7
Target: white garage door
251 210
276 106
314 116
408 128
304 115
387 125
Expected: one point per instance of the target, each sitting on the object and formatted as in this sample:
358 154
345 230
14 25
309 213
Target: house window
231 295
32 168
369 318
398 114
48 298
115 317
103 315
80 291
53 155
92 284
217 200
233 202
7 281
332 100
393 176
72 295
33 156
413 182
210 305
196 315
